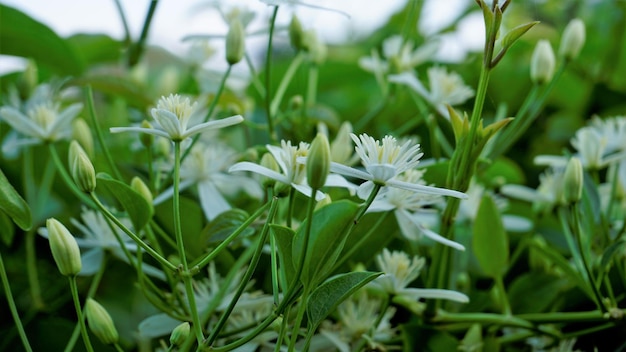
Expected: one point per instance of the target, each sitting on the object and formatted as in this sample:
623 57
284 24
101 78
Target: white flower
399 56
400 271
409 210
98 238
43 122
548 194
206 166
384 161
293 172
445 88
174 115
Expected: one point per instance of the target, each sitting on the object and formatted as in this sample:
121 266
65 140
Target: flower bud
30 78
140 187
573 181
179 334
64 248
81 168
235 42
146 139
542 63
572 40
82 133
268 161
318 162
100 322
296 34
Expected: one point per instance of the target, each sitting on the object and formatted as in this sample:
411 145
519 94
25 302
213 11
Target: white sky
174 19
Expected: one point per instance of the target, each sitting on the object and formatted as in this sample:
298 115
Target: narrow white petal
410 79
306 190
334 180
521 192
261 170
91 261
169 192
432 293
21 122
551 160
157 325
12 146
212 125
211 200
151 131
407 224
278 155
349 171
426 189
64 119
380 205
516 223
438 238
169 122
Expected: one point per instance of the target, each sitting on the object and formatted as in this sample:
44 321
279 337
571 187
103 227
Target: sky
175 19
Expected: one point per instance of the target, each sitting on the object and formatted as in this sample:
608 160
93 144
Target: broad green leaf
534 292
490 241
284 239
324 299
117 85
13 204
514 34
224 224
96 48
327 238
7 229
135 205
21 35
610 252
503 171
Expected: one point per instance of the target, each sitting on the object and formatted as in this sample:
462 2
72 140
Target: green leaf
327 238
7 229
225 224
324 299
135 205
118 85
534 292
514 34
96 48
490 241
284 239
13 204
610 252
21 35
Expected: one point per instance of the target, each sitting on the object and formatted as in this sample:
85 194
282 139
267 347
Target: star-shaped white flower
176 117
42 123
384 161
398 56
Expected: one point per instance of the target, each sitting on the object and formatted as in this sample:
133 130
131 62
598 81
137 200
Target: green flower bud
318 162
268 161
542 63
341 149
100 322
64 248
235 42
573 181
30 77
179 334
140 187
573 39
296 34
81 168
146 139
82 133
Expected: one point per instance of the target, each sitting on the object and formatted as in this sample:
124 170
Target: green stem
284 83
564 317
12 306
506 306
79 313
254 333
360 242
94 121
132 235
311 91
67 178
120 11
246 277
31 270
296 325
137 49
209 257
186 275
274 268
365 119
305 244
255 77
490 318
268 76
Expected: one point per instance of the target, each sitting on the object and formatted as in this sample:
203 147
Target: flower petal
212 125
211 200
261 170
306 190
426 189
169 122
432 293
21 122
62 124
410 79
349 171
151 131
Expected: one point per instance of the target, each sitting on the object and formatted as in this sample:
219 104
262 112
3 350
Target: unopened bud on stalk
179 334
146 139
100 322
573 181
268 161
318 162
296 33
81 168
30 77
542 63
140 187
573 39
235 42
64 248
82 133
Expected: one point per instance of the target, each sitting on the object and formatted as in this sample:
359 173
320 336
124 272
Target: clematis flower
410 209
43 122
206 166
398 56
293 172
400 271
175 117
445 88
384 161
548 194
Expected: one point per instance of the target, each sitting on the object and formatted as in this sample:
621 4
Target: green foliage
135 205
13 204
490 241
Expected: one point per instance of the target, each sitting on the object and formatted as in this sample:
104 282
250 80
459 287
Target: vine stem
186 275
94 121
268 65
79 313
12 307
137 49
